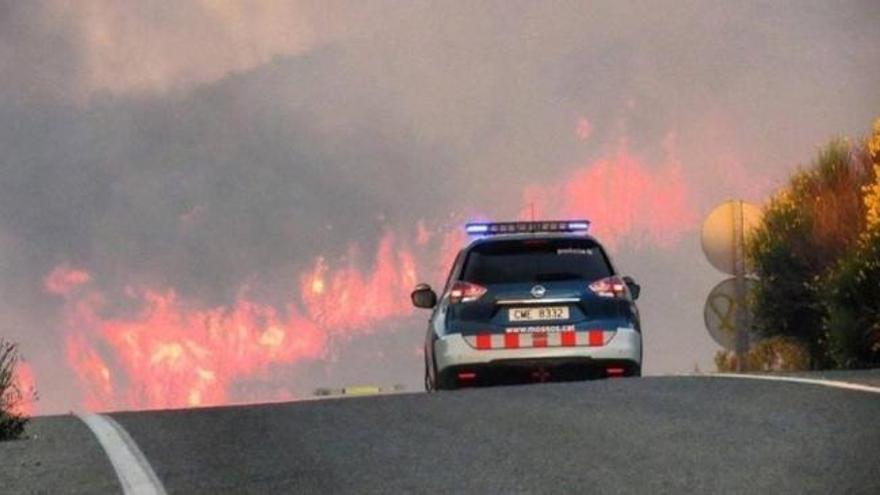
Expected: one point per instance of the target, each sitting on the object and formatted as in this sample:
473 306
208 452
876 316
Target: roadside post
727 312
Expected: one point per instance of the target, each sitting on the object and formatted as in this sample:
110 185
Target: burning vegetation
171 352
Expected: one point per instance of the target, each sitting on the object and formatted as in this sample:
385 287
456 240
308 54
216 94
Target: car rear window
536 260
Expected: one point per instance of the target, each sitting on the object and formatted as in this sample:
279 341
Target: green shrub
786 299
818 272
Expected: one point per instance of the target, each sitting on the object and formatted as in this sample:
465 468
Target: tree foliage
853 286
817 257
12 397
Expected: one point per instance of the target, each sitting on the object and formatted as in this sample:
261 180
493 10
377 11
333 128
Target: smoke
149 47
178 158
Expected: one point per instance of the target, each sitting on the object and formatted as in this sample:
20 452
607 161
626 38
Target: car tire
635 371
445 382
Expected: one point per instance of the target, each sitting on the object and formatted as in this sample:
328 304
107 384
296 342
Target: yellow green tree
816 256
853 286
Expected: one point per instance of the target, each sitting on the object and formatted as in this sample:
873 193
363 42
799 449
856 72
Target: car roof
538 235
530 235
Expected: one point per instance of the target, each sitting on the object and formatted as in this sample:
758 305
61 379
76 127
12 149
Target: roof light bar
493 228
477 228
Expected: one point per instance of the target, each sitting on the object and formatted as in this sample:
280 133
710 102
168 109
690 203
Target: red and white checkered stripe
586 338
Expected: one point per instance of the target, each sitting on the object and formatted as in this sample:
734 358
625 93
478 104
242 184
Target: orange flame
92 372
347 300
169 354
25 384
625 199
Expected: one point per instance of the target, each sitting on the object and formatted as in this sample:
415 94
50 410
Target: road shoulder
60 455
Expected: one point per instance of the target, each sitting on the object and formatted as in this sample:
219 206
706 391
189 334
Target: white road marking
796 379
135 474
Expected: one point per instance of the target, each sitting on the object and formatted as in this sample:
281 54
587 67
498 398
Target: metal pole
742 330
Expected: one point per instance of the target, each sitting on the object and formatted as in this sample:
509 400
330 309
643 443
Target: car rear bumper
454 355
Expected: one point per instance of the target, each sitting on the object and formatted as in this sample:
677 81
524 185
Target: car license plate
542 313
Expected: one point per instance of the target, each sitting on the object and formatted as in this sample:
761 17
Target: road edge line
132 468
796 379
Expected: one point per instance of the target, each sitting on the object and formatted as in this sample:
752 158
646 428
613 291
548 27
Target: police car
530 301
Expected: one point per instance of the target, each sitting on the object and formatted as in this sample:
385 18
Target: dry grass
773 354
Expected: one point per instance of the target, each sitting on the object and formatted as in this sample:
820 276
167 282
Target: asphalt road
649 435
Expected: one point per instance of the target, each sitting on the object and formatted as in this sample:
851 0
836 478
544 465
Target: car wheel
445 381
635 371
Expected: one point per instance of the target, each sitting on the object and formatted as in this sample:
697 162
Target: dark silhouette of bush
12 397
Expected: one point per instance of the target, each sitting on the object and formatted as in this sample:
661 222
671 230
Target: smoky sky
206 148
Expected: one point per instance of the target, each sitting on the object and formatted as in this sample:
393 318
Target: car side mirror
634 288
424 297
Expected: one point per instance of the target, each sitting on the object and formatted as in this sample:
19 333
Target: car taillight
462 292
613 287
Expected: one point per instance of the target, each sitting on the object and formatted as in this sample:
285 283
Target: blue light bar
494 228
